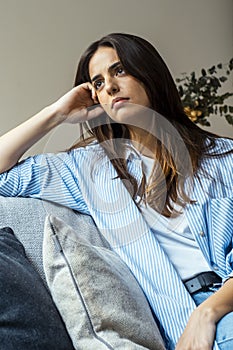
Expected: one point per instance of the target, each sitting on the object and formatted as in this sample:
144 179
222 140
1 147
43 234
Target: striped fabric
85 180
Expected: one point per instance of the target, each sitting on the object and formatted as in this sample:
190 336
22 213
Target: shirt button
215 268
202 234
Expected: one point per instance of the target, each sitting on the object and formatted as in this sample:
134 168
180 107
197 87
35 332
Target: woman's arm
200 330
72 108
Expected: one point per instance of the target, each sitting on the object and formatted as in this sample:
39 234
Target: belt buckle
194 285
202 283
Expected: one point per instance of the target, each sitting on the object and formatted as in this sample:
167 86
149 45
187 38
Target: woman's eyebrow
110 69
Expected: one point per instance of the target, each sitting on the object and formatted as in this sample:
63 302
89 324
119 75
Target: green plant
200 95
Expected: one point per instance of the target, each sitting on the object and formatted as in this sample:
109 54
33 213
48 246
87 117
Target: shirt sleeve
49 177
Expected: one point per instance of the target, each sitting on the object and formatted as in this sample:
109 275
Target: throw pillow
100 301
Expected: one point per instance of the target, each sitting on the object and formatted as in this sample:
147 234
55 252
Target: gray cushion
26 217
100 301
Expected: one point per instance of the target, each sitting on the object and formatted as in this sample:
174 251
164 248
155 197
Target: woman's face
116 90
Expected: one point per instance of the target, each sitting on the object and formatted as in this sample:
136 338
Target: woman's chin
128 113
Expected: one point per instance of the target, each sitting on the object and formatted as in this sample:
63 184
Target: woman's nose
111 86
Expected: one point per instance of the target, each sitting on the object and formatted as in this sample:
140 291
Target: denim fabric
224 331
28 317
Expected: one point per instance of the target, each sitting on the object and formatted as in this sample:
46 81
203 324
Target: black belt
202 281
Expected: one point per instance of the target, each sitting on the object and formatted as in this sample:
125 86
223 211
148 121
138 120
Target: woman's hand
77 105
201 328
199 333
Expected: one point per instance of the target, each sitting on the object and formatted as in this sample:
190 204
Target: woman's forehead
102 59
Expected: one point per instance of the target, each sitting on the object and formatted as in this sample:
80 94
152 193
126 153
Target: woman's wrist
208 313
219 304
53 116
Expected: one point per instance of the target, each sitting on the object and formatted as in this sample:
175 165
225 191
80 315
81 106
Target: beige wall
41 41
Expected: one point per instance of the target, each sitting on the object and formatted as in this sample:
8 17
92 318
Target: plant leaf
223 79
203 72
229 118
231 64
201 93
212 70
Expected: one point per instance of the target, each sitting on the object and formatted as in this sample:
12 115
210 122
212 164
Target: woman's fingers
90 87
75 103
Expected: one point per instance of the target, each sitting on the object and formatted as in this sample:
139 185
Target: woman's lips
117 102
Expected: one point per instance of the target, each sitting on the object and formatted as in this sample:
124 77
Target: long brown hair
167 185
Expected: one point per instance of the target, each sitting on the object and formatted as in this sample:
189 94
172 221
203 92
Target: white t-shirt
175 237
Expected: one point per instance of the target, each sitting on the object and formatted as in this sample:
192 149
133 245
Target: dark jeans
29 319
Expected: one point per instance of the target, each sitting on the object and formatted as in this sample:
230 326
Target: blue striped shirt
85 180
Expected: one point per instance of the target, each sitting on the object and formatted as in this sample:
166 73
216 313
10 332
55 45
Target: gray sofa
114 297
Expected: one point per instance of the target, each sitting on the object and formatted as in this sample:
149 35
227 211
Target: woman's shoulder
224 141
215 176
218 156
92 148
91 153
219 161
219 146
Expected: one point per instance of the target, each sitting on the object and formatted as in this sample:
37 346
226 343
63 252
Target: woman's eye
120 71
97 84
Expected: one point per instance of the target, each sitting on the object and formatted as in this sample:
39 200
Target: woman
157 186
